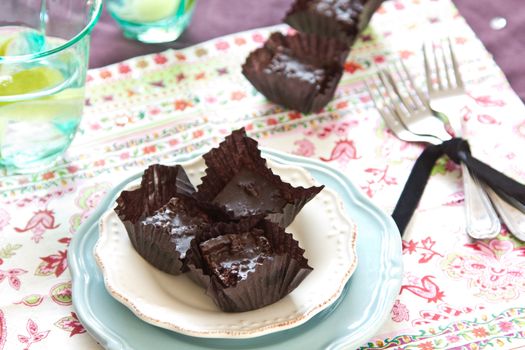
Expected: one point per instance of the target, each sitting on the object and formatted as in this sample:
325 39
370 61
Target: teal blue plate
354 318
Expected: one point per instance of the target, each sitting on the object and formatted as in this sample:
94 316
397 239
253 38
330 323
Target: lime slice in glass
148 10
4 44
189 5
29 80
62 106
24 42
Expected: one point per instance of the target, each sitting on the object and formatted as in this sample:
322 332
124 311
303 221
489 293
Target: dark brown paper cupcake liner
313 49
154 246
305 19
159 184
159 245
325 53
238 152
270 282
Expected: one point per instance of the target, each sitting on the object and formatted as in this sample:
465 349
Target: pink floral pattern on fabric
497 331
423 247
494 270
61 293
4 219
33 335
343 151
87 201
12 277
443 312
377 179
54 264
71 324
41 221
305 148
32 300
425 288
3 330
400 312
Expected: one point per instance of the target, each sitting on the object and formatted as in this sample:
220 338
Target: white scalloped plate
176 303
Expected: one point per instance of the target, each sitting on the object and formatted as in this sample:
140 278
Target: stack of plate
354 248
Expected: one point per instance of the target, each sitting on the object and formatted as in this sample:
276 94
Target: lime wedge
24 42
29 80
3 48
64 105
148 10
4 45
189 5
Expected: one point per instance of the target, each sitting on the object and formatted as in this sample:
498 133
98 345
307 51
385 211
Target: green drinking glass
152 21
44 52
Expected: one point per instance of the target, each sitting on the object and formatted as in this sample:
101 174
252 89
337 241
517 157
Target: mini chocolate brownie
161 216
232 257
246 266
343 11
181 220
285 64
238 181
340 19
299 71
159 183
249 193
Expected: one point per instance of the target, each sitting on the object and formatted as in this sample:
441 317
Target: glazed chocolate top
248 193
292 68
344 11
183 220
232 257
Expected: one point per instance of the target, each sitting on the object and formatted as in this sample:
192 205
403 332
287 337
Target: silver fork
444 83
410 106
446 91
389 113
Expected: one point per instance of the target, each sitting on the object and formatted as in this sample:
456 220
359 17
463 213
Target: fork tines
388 94
399 102
441 66
406 88
382 98
398 88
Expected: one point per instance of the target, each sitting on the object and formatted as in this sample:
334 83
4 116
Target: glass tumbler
152 21
44 51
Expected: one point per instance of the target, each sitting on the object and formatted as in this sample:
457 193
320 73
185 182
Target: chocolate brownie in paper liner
245 267
161 217
299 71
339 19
238 181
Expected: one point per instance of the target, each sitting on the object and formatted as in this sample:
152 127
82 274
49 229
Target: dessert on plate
161 217
238 181
299 71
340 19
230 233
245 266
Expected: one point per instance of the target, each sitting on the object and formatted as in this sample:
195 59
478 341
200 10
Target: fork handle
513 217
482 219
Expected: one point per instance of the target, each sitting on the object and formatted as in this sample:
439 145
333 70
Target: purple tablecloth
214 18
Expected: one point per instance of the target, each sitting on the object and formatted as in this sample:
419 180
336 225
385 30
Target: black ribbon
459 151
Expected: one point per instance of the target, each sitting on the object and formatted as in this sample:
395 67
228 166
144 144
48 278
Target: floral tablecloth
456 293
